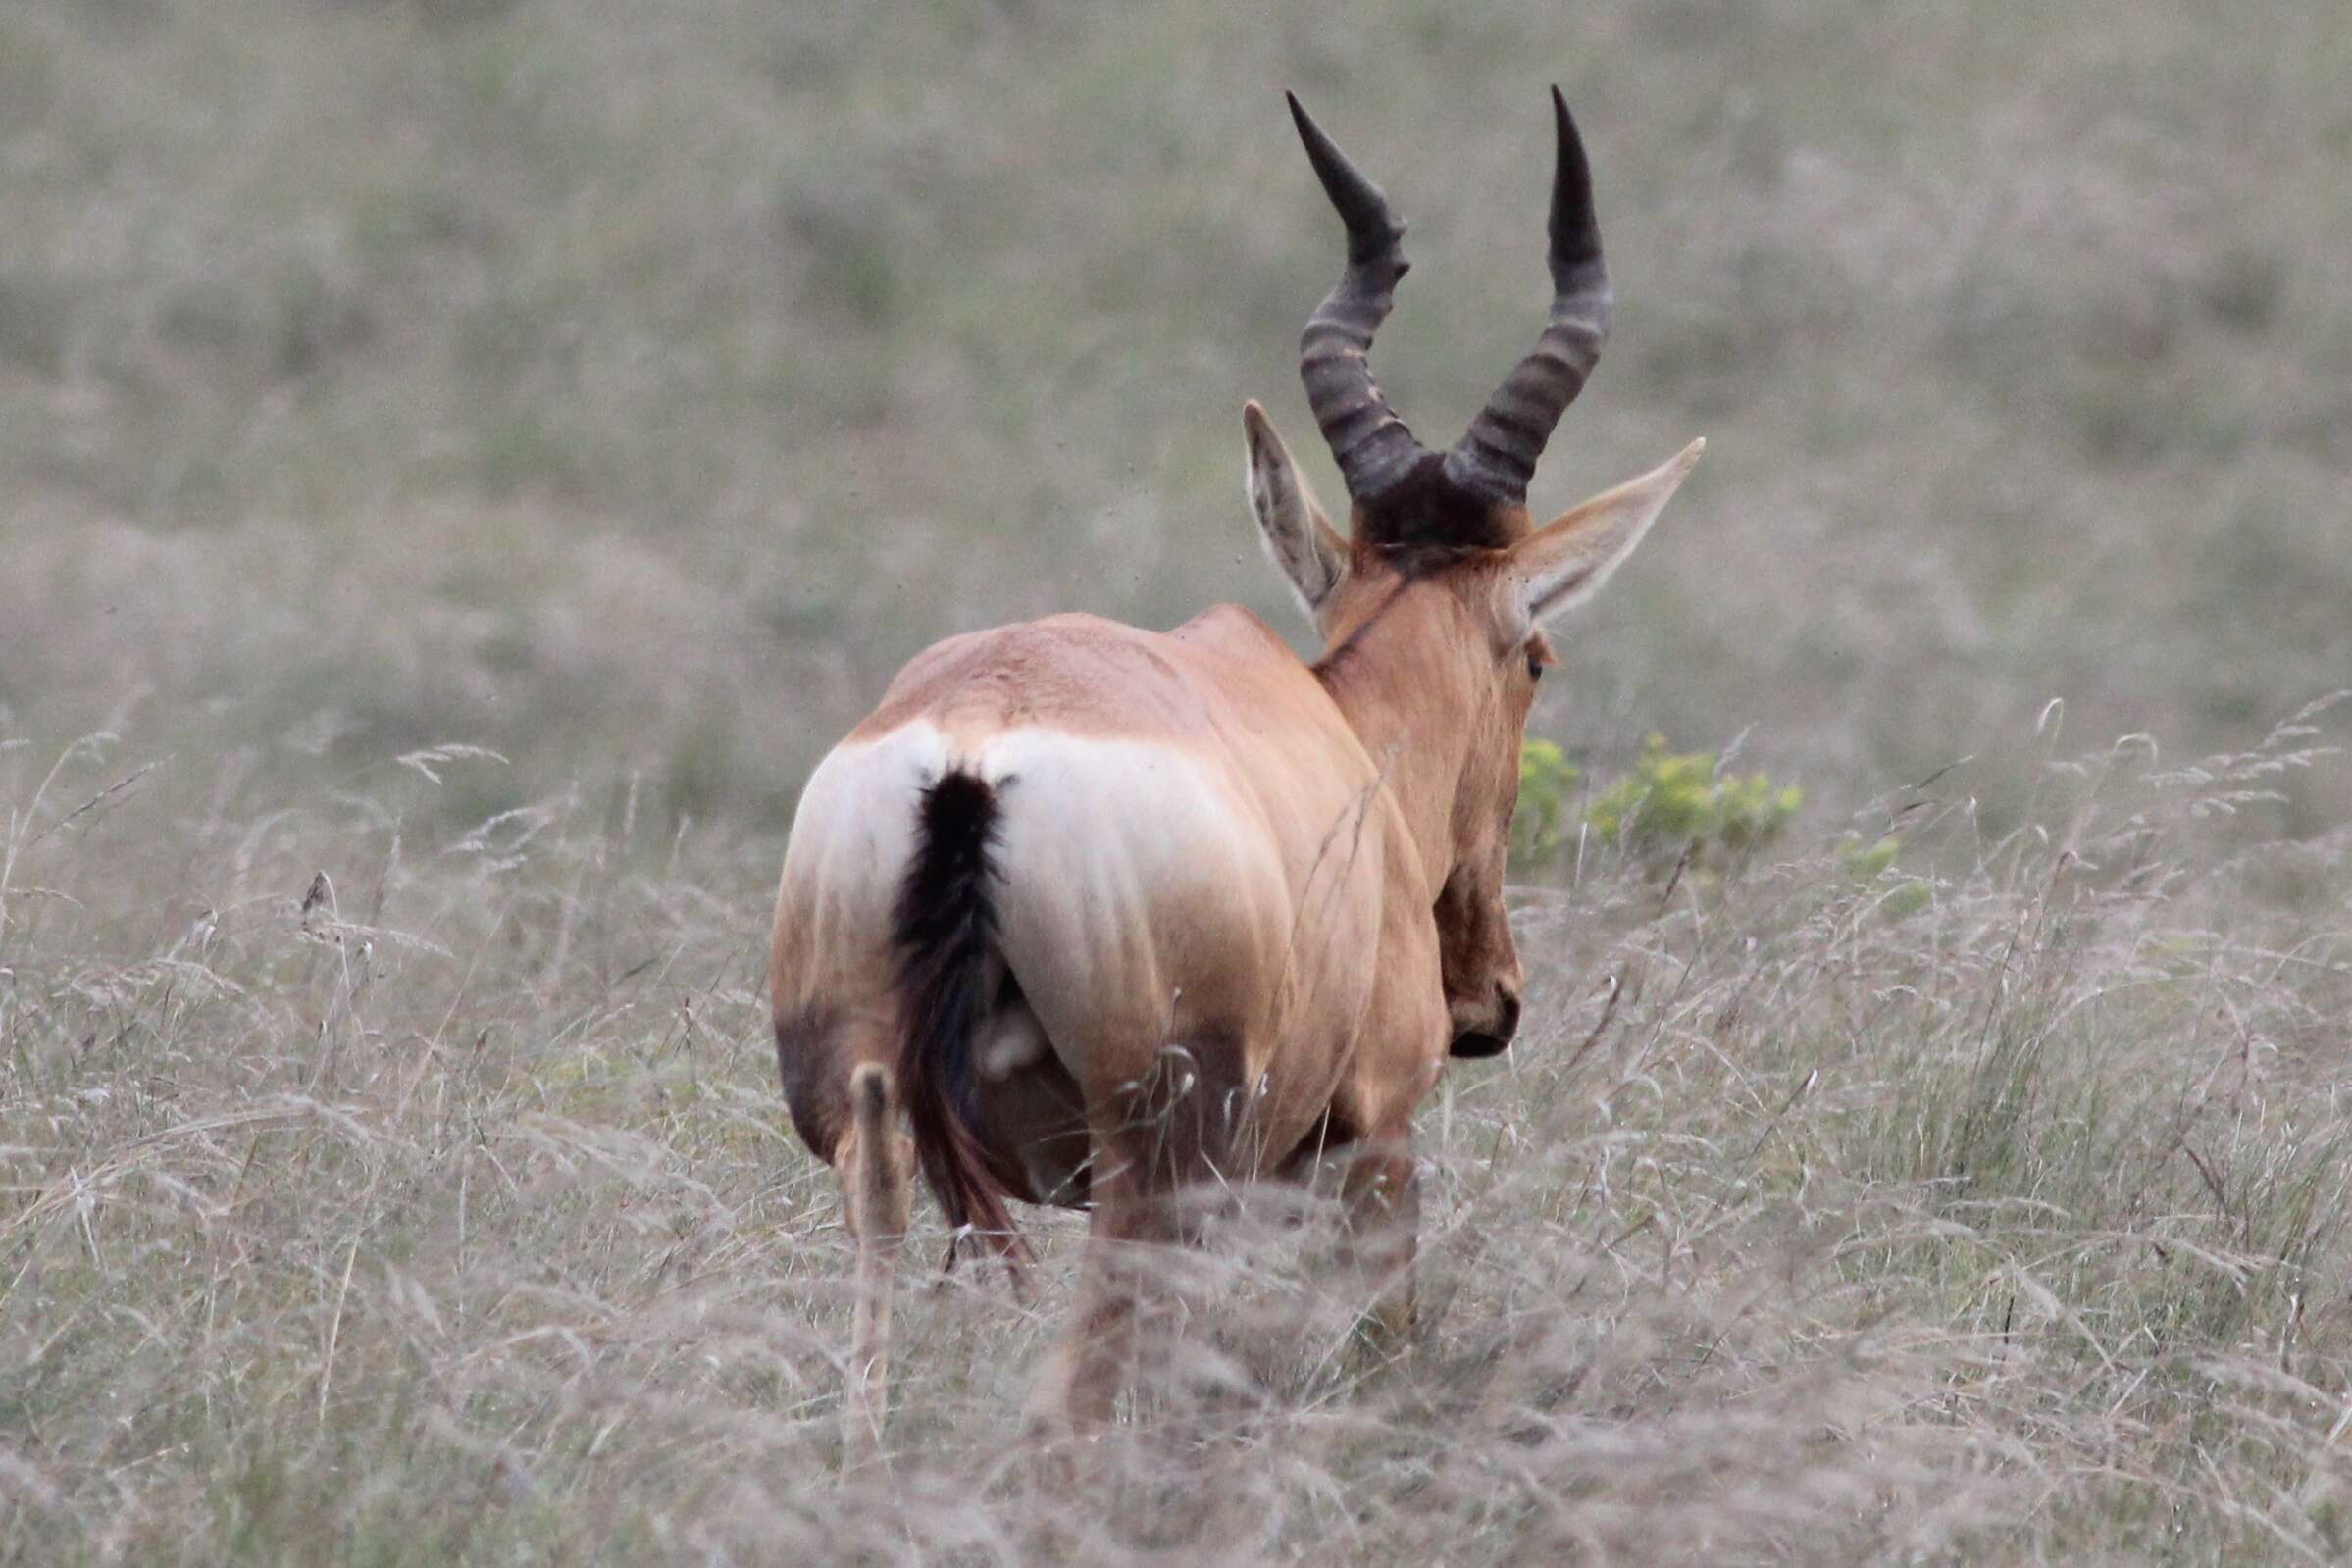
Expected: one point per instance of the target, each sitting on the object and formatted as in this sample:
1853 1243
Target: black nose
1507 1016
1481 1043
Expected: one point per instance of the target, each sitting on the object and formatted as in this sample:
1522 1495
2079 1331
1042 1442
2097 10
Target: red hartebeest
1099 913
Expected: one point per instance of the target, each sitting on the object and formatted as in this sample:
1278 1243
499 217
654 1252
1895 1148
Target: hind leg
847 1109
875 1166
1078 1391
1158 1141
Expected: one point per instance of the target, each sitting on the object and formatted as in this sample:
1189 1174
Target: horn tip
1562 120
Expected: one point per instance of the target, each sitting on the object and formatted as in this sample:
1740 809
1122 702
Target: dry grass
385 1197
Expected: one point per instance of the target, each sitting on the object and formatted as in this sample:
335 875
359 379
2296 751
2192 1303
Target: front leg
1381 1196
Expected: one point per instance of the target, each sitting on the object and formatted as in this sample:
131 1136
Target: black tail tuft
944 924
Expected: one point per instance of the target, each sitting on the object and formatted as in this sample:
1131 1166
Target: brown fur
1211 909
1239 907
1359 764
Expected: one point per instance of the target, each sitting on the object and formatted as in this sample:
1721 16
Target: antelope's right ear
1565 562
1299 536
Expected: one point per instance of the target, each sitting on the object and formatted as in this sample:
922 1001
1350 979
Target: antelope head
1432 608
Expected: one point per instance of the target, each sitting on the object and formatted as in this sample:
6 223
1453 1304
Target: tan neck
1399 683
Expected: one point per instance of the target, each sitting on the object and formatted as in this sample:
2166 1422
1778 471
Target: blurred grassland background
391 1167
632 387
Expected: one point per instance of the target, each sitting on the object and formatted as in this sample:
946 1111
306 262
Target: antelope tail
945 925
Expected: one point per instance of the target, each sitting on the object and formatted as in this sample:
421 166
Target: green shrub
1672 801
1865 860
1546 779
1677 800
1898 893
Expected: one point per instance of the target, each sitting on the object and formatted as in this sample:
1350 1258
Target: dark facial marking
1425 521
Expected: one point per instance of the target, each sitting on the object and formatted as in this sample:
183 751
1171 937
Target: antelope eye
1535 664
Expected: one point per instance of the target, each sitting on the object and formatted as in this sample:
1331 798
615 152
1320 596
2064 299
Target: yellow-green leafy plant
1898 893
1547 781
1864 861
1672 801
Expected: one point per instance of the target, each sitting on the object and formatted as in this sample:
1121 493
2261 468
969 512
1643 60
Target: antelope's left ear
1299 536
1565 562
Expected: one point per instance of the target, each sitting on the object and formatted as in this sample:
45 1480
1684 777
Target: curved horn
1373 447
1497 456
